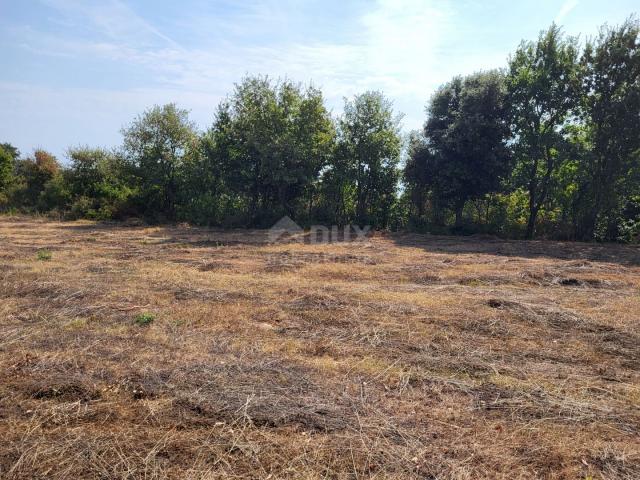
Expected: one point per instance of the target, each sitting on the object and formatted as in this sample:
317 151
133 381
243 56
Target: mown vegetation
181 352
548 146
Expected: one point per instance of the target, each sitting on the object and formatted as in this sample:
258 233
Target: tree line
548 146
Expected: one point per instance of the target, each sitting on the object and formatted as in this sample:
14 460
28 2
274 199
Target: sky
75 72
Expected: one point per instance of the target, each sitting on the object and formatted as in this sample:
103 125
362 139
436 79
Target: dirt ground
178 352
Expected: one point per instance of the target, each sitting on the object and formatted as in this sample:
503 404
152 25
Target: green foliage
360 183
54 195
544 86
156 146
6 174
549 146
267 146
629 229
44 255
6 168
99 183
144 319
13 152
611 102
464 154
38 183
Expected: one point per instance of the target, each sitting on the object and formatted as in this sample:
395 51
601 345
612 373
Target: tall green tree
271 139
9 156
544 90
201 192
6 169
366 161
611 102
467 133
156 145
416 175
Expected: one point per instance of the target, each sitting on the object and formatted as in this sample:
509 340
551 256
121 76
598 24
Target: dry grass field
178 352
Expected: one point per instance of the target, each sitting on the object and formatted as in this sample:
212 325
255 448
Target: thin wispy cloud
71 52
380 54
566 9
112 18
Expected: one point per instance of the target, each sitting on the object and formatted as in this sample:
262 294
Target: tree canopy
466 138
547 146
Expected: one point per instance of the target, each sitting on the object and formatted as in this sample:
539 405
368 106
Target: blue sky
74 72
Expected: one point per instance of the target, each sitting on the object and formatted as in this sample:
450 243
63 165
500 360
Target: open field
402 356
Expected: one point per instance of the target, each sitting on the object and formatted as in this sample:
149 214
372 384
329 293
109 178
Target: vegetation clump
44 255
144 319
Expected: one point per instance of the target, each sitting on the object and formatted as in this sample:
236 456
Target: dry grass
404 356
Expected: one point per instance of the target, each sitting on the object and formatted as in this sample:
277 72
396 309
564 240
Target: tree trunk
533 190
420 203
459 209
531 223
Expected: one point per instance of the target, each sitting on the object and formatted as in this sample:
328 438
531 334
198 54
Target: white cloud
112 18
402 47
566 9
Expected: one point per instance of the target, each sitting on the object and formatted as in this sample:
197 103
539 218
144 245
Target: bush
630 231
44 255
144 319
55 195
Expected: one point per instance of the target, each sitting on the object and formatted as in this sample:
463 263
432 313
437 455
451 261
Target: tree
99 183
156 145
467 133
270 141
415 175
9 156
55 194
6 168
13 152
33 174
543 84
365 165
201 189
611 103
